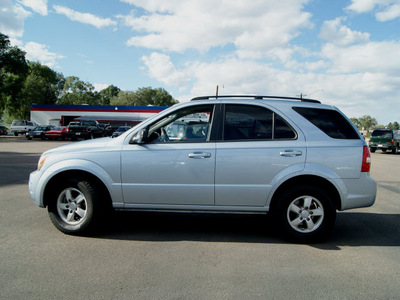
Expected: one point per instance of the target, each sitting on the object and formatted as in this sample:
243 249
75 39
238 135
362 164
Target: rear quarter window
331 122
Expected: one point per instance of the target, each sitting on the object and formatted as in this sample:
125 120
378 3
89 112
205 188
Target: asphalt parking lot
173 256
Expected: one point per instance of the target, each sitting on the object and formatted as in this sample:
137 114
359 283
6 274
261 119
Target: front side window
191 124
245 122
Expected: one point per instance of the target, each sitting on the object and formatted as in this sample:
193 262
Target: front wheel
75 206
306 213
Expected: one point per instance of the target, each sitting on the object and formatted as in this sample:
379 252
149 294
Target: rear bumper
360 192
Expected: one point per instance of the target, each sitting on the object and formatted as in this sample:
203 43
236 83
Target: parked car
56 133
3 130
120 130
107 129
22 126
297 159
86 129
385 139
38 132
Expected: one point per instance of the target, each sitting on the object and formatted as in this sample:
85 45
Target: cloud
38 52
334 32
376 57
385 10
203 24
39 6
100 86
161 68
390 13
12 17
85 18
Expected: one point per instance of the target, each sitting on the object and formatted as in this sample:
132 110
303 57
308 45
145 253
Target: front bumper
34 178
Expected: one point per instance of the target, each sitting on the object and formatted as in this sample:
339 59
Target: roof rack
255 97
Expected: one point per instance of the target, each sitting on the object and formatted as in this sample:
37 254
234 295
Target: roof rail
256 97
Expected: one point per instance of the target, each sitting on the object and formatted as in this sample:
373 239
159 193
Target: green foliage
13 71
75 91
394 126
365 122
108 93
143 97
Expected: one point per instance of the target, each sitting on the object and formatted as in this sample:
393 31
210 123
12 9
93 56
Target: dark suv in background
385 139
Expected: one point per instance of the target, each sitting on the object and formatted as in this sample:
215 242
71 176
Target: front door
176 164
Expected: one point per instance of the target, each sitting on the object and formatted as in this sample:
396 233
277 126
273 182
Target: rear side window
246 122
331 122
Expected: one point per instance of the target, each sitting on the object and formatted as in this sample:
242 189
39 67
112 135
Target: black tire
16 133
305 214
395 149
75 206
372 149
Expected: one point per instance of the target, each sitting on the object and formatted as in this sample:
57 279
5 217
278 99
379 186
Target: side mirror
140 137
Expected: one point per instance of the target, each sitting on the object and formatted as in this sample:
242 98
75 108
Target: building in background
107 114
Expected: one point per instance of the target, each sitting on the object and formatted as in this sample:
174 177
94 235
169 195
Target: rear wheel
372 149
305 213
395 149
75 206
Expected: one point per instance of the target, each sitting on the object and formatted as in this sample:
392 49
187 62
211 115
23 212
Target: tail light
366 160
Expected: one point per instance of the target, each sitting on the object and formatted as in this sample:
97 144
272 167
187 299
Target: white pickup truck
22 126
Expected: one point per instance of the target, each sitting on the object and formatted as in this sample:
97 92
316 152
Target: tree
356 122
75 91
108 93
13 71
367 122
143 97
156 97
394 126
124 98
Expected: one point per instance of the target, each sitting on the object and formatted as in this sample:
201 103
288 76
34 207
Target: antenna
216 92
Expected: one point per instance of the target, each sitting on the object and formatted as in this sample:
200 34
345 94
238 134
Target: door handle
291 153
199 155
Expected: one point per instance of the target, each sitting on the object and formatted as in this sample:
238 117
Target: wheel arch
54 182
303 180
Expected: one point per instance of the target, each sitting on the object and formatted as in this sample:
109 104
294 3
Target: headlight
41 161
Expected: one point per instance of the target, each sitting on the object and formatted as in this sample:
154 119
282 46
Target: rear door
256 144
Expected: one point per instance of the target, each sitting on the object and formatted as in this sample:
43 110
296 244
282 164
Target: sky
344 53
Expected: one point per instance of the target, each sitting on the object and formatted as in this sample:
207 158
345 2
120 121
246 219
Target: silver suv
298 159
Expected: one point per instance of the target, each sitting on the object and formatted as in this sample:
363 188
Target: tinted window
329 121
382 133
244 122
